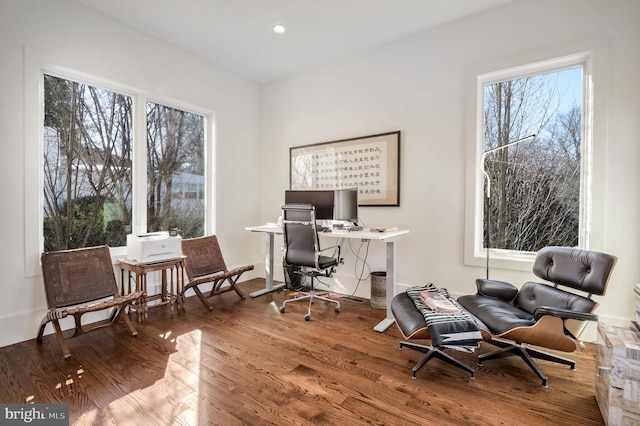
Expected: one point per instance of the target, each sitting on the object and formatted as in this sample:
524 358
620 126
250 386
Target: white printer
153 247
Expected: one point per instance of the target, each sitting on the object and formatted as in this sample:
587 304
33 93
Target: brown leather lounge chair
543 315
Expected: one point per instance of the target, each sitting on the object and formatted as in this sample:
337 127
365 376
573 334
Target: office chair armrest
497 289
564 314
337 246
330 248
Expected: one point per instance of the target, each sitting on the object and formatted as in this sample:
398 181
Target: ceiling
237 34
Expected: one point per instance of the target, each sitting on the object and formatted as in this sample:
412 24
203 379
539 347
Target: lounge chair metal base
433 352
527 353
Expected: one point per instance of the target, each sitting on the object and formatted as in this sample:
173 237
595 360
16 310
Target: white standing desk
271 231
389 238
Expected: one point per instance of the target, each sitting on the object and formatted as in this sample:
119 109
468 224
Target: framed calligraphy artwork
370 163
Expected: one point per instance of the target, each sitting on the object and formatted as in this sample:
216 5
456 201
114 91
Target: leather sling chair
205 266
541 314
80 281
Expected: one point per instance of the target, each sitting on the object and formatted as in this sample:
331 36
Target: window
175 170
90 158
535 191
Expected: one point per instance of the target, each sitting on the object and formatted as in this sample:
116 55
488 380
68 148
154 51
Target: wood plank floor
245 363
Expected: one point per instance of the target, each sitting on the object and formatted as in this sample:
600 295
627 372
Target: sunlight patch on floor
178 387
167 336
187 345
274 306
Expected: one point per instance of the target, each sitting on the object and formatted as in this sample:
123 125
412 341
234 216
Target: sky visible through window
571 80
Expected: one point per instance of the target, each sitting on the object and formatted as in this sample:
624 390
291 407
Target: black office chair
302 249
541 314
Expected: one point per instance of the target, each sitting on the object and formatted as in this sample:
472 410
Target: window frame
475 254
34 161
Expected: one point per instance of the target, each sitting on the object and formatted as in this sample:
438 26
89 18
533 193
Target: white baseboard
19 327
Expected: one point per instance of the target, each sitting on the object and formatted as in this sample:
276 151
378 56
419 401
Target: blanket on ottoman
449 327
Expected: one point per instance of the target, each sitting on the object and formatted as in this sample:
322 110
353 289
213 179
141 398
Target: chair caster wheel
337 309
282 309
307 317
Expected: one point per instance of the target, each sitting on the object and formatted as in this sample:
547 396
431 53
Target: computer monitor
338 205
346 205
323 200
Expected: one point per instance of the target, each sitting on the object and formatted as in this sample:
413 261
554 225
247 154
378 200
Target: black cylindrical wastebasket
379 290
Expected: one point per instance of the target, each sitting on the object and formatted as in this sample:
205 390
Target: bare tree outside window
535 186
87 179
87 165
175 170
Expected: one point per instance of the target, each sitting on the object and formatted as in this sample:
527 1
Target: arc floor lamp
488 188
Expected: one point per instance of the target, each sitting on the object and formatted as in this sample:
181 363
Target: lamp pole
488 186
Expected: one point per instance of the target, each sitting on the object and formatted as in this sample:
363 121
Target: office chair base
311 296
527 353
432 352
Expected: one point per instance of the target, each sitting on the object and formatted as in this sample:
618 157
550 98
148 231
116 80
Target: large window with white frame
96 174
531 192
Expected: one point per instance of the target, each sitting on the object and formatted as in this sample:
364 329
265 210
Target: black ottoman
412 325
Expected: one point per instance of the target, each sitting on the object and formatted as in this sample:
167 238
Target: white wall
62 34
422 85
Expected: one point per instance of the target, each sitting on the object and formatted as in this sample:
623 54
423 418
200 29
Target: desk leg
141 302
164 290
143 286
391 280
268 262
170 286
180 289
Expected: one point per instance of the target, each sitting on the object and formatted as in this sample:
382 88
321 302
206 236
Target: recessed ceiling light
279 29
